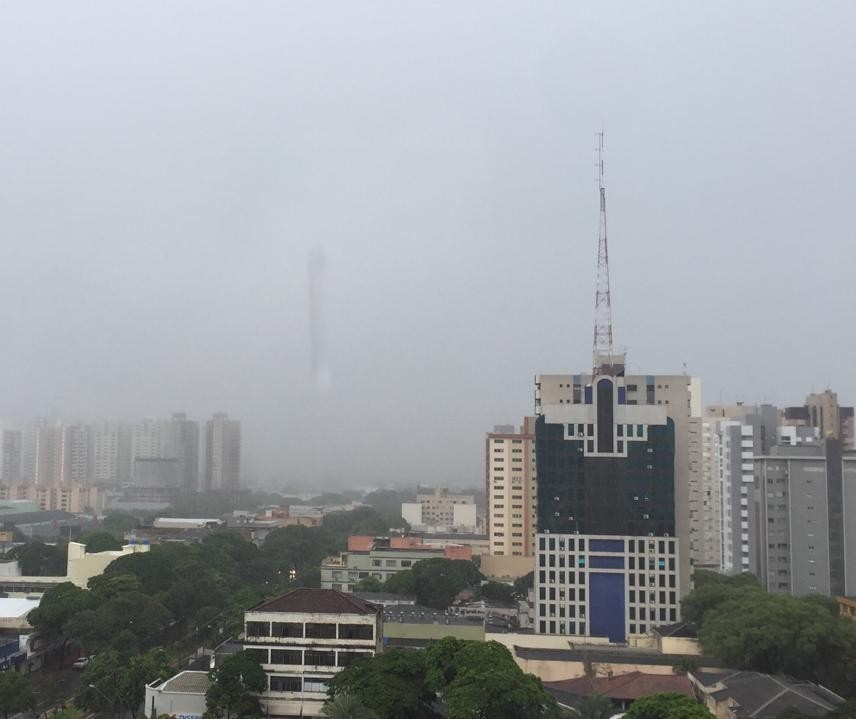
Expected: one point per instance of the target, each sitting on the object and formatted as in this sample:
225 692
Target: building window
287 629
286 656
315 684
321 631
356 631
318 658
285 684
258 629
345 659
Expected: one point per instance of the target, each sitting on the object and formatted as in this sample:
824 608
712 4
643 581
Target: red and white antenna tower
602 349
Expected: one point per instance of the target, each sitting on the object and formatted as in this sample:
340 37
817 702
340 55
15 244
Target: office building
807 519
510 490
302 639
222 453
613 464
11 456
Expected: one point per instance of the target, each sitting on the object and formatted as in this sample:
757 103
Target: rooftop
752 695
622 687
316 601
608 655
683 630
417 614
13 607
386 597
187 681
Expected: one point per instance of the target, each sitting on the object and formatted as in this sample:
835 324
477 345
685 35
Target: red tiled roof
317 601
625 686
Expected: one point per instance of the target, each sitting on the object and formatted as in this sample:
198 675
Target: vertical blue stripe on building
606 606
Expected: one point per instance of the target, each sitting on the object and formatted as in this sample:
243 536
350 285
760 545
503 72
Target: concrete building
511 490
222 453
180 696
381 557
807 519
822 411
613 464
158 472
305 637
11 456
441 511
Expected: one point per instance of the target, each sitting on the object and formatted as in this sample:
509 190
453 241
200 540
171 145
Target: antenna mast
602 348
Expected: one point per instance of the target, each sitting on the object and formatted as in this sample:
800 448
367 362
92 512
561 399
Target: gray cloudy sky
166 169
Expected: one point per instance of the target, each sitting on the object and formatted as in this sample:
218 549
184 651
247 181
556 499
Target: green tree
119 523
497 592
37 559
667 706
346 706
595 706
488 684
154 569
392 684
712 590
523 584
435 582
233 684
369 584
58 605
100 541
142 670
16 695
781 634
106 586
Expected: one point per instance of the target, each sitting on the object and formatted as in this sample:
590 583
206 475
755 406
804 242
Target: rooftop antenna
602 347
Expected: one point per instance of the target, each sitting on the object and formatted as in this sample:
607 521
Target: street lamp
106 698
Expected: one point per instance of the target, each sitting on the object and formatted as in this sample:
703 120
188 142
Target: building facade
305 637
807 519
613 465
11 455
511 490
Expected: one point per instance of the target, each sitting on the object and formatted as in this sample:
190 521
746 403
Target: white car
80 664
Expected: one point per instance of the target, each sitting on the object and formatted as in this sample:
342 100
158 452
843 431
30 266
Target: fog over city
361 228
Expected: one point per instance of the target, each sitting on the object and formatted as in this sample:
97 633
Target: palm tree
347 706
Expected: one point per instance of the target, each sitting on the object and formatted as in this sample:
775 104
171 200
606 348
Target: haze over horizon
167 172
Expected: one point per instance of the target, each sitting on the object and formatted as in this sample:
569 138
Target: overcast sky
168 168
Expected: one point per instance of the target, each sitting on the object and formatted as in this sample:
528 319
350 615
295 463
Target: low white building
182 696
305 637
441 511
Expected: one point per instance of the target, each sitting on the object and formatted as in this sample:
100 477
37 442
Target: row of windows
562 544
310 630
307 657
297 684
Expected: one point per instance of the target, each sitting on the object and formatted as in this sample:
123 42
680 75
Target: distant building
11 447
222 453
158 472
183 446
305 637
380 558
110 453
75 498
441 511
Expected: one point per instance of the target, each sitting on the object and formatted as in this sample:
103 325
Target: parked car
80 664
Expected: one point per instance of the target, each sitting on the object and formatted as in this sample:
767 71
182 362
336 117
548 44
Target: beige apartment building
76 497
510 490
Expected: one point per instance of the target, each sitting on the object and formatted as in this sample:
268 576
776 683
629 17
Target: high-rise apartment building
11 455
110 453
222 452
183 446
76 449
807 507
613 465
510 490
822 411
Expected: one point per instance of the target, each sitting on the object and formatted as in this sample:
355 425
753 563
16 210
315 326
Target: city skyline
159 227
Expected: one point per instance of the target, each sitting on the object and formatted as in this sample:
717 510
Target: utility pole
602 349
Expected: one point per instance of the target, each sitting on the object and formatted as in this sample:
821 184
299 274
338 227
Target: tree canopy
477 680
233 685
667 705
16 695
435 582
748 628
